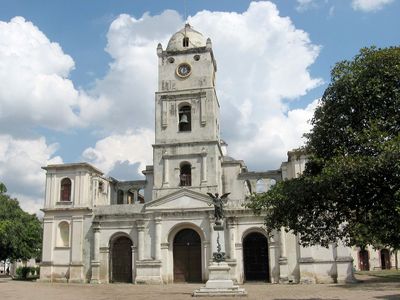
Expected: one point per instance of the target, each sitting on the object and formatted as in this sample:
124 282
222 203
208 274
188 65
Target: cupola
185 39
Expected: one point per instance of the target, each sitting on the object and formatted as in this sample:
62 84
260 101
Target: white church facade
160 229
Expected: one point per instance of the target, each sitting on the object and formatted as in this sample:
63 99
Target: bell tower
187 151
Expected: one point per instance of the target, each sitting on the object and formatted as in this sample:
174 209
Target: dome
195 39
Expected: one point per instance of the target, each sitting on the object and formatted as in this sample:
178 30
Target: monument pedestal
219 283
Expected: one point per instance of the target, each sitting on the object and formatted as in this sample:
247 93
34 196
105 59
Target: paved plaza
369 288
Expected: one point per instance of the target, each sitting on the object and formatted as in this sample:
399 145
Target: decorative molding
104 249
344 259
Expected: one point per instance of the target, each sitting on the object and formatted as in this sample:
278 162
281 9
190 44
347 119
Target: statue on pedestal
219 203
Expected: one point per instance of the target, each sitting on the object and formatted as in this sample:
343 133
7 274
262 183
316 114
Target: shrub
24 272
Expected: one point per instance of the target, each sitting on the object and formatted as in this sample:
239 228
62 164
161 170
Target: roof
83 165
196 39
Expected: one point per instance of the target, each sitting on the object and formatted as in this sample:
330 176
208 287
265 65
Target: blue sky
78 77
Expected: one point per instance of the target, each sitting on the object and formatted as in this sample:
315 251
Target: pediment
181 200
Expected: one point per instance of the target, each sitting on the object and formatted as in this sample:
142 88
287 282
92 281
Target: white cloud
34 85
132 77
20 167
131 147
369 5
30 204
274 55
303 5
275 58
275 137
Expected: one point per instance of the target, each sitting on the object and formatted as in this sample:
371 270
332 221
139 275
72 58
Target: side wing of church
160 230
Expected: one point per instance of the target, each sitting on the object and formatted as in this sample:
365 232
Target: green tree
350 189
20 232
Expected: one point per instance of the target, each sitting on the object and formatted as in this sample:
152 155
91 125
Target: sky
77 78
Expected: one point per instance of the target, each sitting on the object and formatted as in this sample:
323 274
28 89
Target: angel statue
219 203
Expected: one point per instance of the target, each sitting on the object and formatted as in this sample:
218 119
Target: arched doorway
187 256
363 257
255 257
121 260
385 259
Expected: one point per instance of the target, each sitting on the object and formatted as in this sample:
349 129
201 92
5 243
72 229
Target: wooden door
187 256
385 259
121 260
255 257
364 260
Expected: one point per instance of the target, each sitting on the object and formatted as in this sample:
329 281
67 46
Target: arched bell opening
185 118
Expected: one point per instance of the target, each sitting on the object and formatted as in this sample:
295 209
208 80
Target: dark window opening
141 195
185 118
120 197
101 186
131 197
186 175
185 41
65 194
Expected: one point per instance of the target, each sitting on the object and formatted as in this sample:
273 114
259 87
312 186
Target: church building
160 229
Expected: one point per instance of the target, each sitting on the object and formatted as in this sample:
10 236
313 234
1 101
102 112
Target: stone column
96 254
125 198
48 246
55 191
213 241
48 195
157 238
231 236
203 165
140 229
283 261
283 242
104 264
166 169
134 252
76 265
274 258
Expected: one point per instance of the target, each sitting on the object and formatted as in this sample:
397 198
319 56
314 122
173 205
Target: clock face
184 70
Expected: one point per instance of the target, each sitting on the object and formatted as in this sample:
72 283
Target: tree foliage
20 232
350 189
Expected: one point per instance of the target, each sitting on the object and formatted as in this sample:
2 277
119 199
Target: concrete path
368 289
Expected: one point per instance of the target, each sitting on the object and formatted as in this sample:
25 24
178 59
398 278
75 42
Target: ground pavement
369 288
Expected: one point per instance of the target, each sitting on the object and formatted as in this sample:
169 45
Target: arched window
141 195
65 191
131 197
63 234
185 118
261 187
185 174
185 42
120 197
